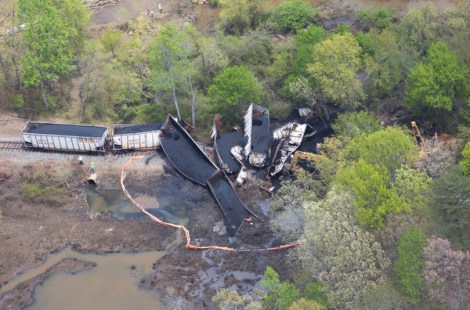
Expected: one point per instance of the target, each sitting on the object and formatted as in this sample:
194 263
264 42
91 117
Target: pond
164 205
112 284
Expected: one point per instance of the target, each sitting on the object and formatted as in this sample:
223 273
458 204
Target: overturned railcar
235 212
65 137
258 147
184 153
136 137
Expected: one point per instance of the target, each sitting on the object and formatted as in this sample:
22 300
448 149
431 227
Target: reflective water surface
112 284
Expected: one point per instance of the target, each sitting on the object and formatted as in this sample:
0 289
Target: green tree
414 186
465 162
386 62
233 90
390 147
433 84
373 197
304 43
351 125
316 291
345 258
419 28
289 201
212 59
280 294
76 16
409 265
226 299
111 39
451 201
168 61
292 15
375 17
240 16
335 62
382 297
305 304
49 53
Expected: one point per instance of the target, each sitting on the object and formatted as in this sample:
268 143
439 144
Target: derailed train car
65 137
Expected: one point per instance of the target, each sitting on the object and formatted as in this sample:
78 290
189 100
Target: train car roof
122 129
65 130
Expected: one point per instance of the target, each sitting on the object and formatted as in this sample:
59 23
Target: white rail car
136 137
65 137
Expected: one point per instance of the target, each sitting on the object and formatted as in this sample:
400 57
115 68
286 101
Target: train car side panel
65 137
135 137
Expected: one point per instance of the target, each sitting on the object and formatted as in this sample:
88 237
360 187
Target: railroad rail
11 146
17 146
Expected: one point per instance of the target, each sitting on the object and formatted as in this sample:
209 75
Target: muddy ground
31 230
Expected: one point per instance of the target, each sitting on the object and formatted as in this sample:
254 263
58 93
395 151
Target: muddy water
112 284
399 4
123 11
207 16
175 199
116 203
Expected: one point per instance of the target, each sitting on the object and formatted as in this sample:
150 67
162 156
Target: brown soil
30 231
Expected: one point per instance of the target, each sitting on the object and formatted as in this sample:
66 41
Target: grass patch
43 186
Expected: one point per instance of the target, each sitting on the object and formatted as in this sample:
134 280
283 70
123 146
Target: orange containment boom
185 230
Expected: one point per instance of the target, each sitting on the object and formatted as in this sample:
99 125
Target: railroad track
18 146
12 146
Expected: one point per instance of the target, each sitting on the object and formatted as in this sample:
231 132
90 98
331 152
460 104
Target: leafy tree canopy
414 186
386 61
451 200
304 42
351 125
345 258
409 265
447 274
48 36
435 82
390 147
305 304
466 159
375 16
280 294
240 16
292 15
374 199
335 62
232 90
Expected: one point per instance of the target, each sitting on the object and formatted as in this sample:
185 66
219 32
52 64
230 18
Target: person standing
80 160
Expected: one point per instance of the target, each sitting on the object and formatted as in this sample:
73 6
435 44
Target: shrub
350 125
42 186
292 15
466 159
377 17
18 103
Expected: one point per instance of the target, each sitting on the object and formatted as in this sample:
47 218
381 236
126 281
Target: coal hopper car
136 137
65 137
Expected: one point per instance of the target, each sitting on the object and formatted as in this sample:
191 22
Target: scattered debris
258 147
219 228
236 152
